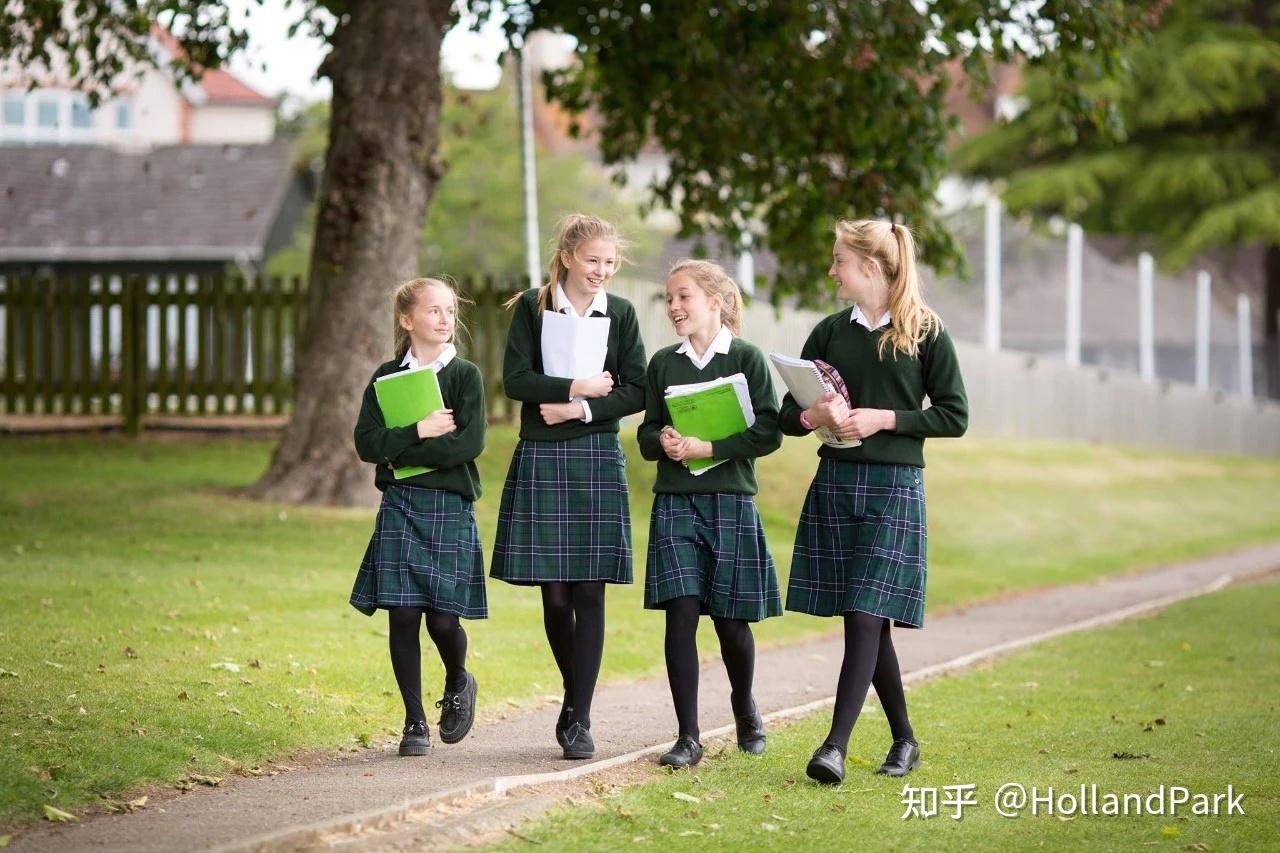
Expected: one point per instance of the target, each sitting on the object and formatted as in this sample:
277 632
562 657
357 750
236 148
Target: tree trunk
1271 322
381 169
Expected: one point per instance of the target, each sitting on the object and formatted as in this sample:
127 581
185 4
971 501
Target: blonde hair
571 232
890 245
714 281
406 296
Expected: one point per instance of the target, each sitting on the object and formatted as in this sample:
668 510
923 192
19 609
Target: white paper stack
573 347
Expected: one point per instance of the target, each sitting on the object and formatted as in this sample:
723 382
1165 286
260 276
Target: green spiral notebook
406 398
710 411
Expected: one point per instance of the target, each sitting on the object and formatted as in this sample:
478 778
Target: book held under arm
406 398
808 381
710 411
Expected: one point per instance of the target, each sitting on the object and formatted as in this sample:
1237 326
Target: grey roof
184 202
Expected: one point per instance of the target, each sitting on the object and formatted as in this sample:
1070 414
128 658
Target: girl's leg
888 683
406 658
588 646
682 661
557 621
447 633
738 648
861 648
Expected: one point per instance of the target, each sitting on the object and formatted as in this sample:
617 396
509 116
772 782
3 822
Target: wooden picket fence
133 349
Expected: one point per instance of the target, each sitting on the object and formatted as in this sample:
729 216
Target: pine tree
1193 153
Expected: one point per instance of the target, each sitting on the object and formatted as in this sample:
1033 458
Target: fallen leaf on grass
127 807
769 827
200 778
687 798
227 665
57 815
52 664
687 833
1170 831
1198 846
232 709
129 652
183 696
1129 756
7 673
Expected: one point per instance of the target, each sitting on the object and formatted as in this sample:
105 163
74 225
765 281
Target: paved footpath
299 809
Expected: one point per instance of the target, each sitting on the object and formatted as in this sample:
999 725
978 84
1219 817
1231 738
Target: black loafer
578 743
826 766
903 757
457 712
751 736
562 722
416 739
686 753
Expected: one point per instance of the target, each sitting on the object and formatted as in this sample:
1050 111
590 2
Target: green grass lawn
129 576
1188 698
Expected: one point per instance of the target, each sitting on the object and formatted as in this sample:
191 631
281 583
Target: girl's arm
948 412
655 417
628 394
789 414
519 380
466 441
375 441
763 437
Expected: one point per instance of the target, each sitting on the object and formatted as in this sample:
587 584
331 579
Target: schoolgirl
424 557
707 551
564 523
861 542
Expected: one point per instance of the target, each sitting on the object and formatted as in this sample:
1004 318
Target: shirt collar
446 355
861 319
719 344
599 303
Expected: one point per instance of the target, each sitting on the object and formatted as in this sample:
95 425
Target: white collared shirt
719 344
599 304
446 355
861 319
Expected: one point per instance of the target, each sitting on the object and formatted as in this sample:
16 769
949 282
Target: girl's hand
672 442
830 410
863 423
558 413
592 386
695 448
436 424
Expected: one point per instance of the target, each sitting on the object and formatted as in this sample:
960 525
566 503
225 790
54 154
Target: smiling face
433 318
590 268
856 278
690 308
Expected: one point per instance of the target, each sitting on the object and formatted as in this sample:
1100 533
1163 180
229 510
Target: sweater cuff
909 421
400 440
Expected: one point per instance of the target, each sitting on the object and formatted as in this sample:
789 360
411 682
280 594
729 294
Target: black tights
573 616
737 647
869 659
406 654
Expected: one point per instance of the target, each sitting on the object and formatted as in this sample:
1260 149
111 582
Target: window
46 112
15 110
124 115
81 117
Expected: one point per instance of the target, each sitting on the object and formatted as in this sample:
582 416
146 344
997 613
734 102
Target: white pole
1244 334
1075 287
1203 305
1146 316
747 267
528 170
991 332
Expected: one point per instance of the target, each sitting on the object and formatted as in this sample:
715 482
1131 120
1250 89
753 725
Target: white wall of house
218 123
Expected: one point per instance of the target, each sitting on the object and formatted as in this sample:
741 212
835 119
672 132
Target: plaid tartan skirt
861 543
711 546
565 516
425 552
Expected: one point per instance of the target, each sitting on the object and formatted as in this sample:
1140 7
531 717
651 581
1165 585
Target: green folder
709 414
406 398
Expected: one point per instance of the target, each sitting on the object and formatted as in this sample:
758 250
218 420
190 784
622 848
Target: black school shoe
751 736
686 753
826 766
578 743
457 712
903 757
562 722
416 739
